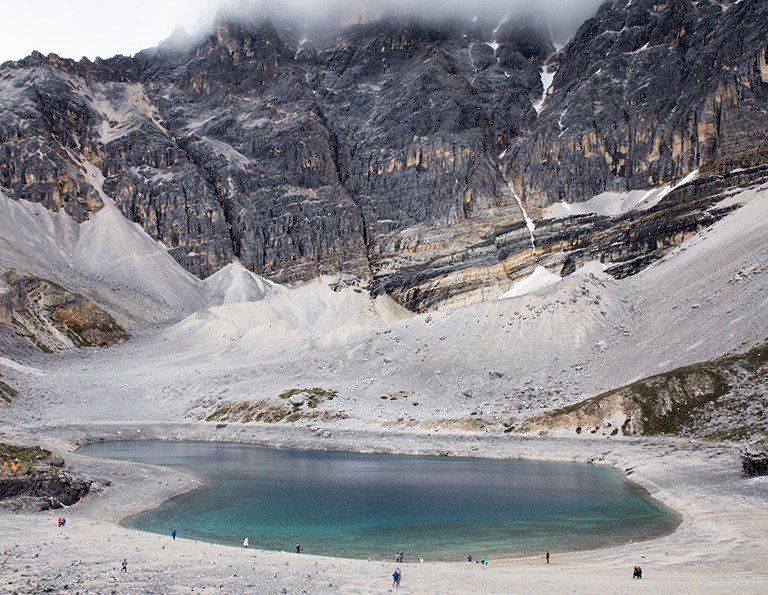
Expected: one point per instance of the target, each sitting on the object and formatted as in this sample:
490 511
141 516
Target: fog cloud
567 14
91 28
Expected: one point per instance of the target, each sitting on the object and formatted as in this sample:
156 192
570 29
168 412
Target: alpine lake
372 506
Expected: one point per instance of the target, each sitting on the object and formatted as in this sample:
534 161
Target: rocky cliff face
647 92
399 151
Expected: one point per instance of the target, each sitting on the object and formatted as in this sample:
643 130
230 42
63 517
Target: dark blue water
360 506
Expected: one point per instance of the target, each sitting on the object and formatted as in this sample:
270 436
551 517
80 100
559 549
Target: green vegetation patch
756 358
723 399
10 276
268 411
311 397
660 404
250 411
28 455
671 400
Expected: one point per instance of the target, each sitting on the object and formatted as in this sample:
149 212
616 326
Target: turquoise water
360 506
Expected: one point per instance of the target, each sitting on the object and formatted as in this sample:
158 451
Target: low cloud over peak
564 14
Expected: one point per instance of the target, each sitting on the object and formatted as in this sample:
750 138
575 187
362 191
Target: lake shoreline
512 503
717 542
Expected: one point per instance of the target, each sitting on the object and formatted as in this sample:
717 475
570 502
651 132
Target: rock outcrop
754 463
721 399
7 392
647 92
31 476
53 318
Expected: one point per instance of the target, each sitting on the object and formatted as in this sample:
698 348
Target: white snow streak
547 76
528 221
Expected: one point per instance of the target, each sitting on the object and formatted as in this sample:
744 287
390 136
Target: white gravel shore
720 546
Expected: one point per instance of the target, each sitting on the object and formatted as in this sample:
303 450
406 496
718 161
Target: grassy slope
726 398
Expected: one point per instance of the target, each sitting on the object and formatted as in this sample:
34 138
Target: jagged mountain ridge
386 151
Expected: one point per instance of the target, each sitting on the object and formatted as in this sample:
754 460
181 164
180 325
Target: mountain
407 152
273 211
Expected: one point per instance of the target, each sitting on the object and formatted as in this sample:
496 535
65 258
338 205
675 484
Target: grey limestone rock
388 150
646 93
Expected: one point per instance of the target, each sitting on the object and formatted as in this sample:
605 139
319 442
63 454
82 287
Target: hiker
469 558
396 577
483 561
298 548
173 534
245 542
125 565
547 556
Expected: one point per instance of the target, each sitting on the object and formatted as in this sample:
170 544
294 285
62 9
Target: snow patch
299 48
538 279
528 221
547 76
613 204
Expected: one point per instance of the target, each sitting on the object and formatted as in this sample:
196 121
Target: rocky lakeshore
716 547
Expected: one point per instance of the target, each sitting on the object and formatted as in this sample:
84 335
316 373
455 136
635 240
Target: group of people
397 575
61 521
